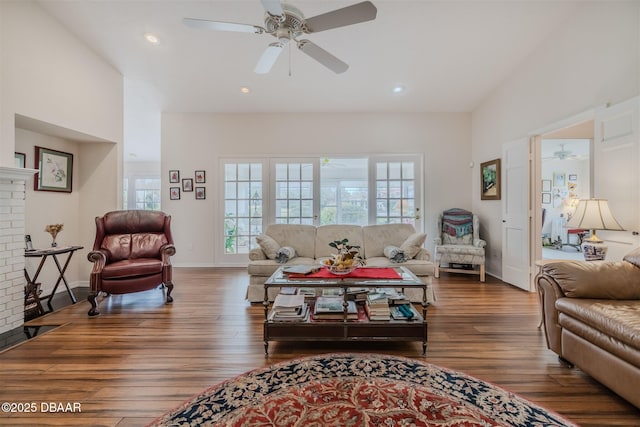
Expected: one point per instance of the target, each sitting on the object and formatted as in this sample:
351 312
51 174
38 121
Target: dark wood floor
141 358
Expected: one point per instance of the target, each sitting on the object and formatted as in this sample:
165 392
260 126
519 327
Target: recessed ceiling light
398 89
151 38
245 89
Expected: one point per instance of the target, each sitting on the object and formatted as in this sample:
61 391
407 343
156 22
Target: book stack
377 306
404 312
357 294
394 297
331 308
289 308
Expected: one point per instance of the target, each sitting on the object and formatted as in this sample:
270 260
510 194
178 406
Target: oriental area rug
343 390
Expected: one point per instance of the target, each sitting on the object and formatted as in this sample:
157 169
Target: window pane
407 170
243 172
243 190
256 172
394 170
230 172
230 207
294 171
281 172
230 190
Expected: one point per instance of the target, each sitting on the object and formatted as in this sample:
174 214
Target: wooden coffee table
344 329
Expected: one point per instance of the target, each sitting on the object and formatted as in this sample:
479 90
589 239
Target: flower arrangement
54 229
346 260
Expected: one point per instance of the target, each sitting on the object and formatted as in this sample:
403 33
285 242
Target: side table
31 291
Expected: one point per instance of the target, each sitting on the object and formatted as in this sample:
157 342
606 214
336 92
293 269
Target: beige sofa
311 245
591 315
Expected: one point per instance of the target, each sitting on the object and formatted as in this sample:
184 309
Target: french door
315 191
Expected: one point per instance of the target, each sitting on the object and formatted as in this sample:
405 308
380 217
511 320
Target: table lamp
593 214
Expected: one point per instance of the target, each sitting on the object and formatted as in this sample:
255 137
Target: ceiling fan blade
222 26
354 14
268 58
322 56
273 7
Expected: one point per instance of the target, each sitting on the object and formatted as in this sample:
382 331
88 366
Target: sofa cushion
584 279
284 254
268 245
326 234
611 324
412 245
376 237
301 237
633 257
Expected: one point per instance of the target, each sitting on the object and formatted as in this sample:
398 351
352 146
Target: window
142 193
243 195
316 191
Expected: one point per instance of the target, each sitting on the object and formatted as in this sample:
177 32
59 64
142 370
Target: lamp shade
594 214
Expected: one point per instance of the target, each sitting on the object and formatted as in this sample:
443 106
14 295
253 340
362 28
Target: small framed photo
21 160
201 193
174 193
55 170
174 176
200 177
558 179
573 177
546 185
187 184
490 180
546 198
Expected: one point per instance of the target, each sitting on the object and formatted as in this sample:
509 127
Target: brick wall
12 216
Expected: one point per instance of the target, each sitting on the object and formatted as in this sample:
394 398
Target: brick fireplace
12 220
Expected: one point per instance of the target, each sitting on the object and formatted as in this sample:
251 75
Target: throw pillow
413 244
633 257
395 254
285 254
268 245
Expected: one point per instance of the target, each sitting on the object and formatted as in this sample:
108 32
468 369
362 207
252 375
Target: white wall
49 75
593 59
197 141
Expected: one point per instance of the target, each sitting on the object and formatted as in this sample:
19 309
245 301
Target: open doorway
565 170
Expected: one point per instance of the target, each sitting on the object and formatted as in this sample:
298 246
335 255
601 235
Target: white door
616 173
516 214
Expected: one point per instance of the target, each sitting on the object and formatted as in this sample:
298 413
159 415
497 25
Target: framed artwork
174 193
546 185
174 176
200 177
546 198
490 180
55 170
201 193
187 184
21 159
573 177
558 179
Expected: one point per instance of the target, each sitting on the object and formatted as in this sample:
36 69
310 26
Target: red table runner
358 273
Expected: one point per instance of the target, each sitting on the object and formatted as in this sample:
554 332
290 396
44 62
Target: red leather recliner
131 254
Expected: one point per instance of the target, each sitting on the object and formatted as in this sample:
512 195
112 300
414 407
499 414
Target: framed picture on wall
174 193
174 176
558 179
55 170
20 160
546 185
573 177
490 180
201 193
546 198
200 177
187 184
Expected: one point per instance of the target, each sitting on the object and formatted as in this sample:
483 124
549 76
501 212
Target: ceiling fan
562 154
287 23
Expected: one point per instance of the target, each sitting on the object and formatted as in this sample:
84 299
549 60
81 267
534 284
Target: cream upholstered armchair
459 248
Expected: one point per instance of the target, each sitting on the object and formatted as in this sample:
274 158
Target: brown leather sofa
591 317
131 253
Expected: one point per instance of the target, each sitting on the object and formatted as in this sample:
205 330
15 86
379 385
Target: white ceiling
448 54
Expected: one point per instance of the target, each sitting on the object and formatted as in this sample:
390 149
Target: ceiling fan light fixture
245 90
